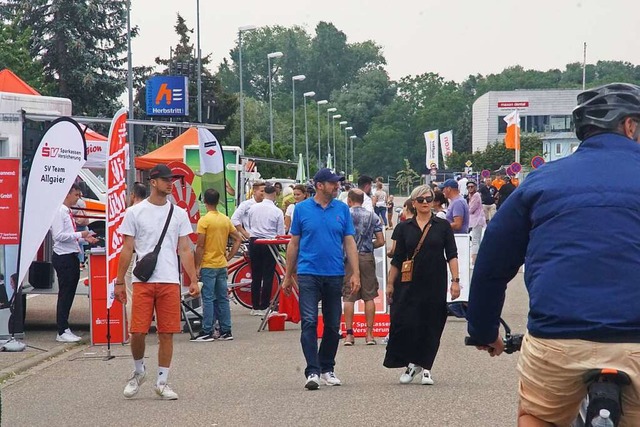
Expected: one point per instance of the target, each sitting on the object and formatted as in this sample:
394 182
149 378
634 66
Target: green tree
81 46
262 149
15 55
406 177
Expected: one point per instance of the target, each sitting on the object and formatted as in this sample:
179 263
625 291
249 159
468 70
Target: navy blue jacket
578 230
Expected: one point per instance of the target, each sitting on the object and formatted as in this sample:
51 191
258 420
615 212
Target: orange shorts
164 298
551 370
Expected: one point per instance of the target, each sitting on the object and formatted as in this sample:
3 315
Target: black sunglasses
424 199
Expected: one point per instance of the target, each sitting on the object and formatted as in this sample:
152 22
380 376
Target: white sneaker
257 312
165 392
313 382
426 378
67 337
68 331
329 378
410 373
133 386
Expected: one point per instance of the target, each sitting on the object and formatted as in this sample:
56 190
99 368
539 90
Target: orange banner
116 197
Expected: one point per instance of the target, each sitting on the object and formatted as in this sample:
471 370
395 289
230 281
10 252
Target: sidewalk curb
20 367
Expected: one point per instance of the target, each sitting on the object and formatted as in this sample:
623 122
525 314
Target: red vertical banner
116 197
9 196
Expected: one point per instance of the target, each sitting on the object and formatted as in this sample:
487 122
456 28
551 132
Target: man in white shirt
141 230
364 184
240 218
66 247
266 221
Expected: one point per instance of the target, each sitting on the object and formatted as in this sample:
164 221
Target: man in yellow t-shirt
211 260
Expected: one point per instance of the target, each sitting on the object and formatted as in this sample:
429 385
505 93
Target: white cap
604 413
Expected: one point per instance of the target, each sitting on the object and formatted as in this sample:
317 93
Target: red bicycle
239 273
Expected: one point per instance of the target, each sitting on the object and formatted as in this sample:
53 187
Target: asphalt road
257 379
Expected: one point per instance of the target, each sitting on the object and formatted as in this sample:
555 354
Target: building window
558 149
560 123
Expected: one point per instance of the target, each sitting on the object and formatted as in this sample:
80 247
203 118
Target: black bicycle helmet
604 107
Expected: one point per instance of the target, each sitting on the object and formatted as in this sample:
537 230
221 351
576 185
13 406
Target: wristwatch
456 279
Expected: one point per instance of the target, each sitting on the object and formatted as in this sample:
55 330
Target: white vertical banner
446 144
212 172
56 164
431 138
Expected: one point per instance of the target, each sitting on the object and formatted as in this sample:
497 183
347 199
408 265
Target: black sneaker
203 337
226 337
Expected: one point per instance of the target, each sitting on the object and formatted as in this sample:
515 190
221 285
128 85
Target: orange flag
512 139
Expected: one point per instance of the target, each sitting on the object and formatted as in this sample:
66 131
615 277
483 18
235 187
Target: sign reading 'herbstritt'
168 96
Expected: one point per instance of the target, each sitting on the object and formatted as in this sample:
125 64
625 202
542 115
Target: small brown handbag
407 266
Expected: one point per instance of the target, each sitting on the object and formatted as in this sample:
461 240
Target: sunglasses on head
424 199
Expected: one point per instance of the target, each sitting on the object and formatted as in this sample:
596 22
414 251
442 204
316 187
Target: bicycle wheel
241 283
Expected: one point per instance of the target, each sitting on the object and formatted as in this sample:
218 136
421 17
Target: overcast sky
454 38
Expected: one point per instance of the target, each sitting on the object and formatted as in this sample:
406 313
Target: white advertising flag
116 197
446 144
431 138
56 164
211 159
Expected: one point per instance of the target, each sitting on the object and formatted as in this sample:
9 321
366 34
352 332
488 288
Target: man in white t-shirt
462 186
364 184
141 229
240 217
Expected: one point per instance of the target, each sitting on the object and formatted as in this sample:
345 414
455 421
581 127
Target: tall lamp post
270 56
346 149
199 63
344 123
294 79
319 103
330 110
240 31
333 129
131 174
352 137
306 129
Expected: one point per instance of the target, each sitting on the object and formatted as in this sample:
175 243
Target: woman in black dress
419 307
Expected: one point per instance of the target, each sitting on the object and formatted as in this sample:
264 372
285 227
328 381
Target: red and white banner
431 138
9 196
446 144
56 164
116 197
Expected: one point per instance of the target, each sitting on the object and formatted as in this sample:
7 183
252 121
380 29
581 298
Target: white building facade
546 112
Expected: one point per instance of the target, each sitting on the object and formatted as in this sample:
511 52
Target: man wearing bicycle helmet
580 236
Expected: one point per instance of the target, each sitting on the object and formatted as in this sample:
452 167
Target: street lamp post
240 31
333 129
131 175
319 103
352 137
306 129
199 64
329 110
346 149
343 123
270 56
295 79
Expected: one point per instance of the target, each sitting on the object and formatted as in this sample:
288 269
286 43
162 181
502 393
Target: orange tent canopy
11 83
172 151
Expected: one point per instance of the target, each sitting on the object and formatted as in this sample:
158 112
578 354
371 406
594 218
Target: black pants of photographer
263 267
68 271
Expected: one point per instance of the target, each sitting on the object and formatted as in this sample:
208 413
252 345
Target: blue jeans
329 290
381 211
215 299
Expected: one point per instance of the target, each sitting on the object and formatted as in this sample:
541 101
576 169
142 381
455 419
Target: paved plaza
257 379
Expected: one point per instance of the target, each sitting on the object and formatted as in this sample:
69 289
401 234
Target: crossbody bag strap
424 235
164 230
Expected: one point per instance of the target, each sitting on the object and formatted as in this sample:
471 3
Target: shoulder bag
407 266
147 264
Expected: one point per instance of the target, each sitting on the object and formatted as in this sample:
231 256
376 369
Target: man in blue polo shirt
321 228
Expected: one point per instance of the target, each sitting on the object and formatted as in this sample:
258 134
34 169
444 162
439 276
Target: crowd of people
330 261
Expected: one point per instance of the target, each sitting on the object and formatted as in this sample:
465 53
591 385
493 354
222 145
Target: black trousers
68 270
263 267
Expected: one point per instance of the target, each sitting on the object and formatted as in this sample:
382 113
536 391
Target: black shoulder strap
164 230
